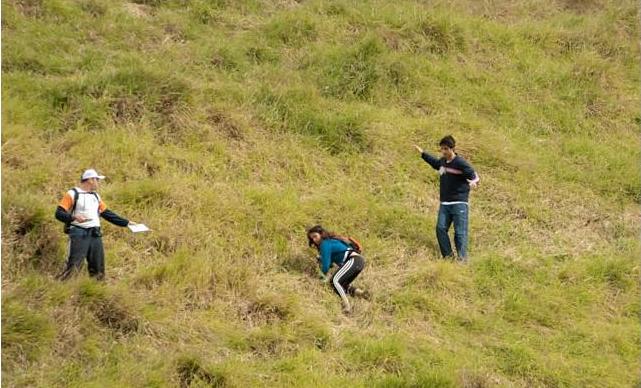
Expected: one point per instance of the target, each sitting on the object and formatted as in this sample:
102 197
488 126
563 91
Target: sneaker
362 293
461 260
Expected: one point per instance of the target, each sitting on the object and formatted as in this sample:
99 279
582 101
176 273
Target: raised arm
429 159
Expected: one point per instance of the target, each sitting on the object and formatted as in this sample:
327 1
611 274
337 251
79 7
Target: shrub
109 309
161 94
25 334
128 95
297 111
227 59
31 237
387 354
191 372
30 8
265 309
144 192
291 29
424 34
615 272
351 72
95 8
437 36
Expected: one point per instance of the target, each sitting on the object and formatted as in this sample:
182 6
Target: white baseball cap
91 173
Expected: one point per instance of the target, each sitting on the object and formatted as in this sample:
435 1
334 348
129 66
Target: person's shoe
362 294
347 309
66 274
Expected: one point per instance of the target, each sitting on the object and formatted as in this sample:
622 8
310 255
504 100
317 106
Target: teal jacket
332 251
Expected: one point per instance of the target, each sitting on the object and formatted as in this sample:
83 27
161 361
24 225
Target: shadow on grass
301 264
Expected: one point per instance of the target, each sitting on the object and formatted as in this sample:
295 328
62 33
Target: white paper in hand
138 228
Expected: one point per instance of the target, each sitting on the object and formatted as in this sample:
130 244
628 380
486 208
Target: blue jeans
458 214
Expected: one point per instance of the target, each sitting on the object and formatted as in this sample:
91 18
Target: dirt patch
225 125
29 8
190 371
174 33
110 310
115 317
580 6
126 109
300 264
262 312
138 10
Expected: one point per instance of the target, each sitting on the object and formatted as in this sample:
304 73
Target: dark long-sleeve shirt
454 185
114 218
63 216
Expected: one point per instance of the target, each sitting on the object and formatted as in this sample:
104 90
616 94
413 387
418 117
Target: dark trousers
458 214
84 243
346 274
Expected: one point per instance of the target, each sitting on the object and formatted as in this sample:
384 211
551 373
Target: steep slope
230 126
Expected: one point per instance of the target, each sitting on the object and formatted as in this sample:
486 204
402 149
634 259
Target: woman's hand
419 149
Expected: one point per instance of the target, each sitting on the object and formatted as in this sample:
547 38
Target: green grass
231 126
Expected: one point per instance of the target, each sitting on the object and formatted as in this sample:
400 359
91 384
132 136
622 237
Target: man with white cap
80 210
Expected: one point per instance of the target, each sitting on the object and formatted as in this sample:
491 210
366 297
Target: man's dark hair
448 141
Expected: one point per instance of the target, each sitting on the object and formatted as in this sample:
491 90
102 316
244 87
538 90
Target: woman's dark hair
448 141
323 233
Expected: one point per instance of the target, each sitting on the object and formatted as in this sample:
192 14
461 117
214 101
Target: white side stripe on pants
338 276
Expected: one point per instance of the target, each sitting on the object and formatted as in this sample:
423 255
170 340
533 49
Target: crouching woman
343 253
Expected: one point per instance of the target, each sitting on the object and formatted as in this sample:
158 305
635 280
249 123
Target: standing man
457 178
80 210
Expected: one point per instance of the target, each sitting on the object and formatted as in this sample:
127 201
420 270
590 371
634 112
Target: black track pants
346 274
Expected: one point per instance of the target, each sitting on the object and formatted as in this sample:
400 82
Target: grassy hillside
230 126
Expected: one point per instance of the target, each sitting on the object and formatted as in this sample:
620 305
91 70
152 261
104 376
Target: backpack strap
97 199
76 195
351 243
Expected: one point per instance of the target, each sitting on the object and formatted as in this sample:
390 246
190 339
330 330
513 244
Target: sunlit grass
229 127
